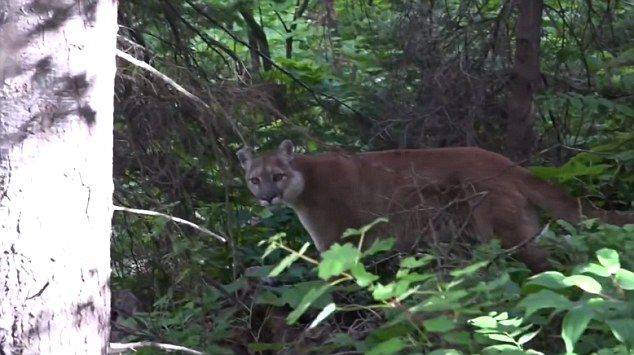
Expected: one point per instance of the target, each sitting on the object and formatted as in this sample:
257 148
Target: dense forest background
367 75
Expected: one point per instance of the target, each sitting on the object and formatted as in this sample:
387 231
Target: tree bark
57 67
525 81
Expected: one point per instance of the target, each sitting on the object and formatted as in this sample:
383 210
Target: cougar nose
267 199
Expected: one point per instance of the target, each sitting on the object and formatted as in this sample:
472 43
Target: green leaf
623 330
596 269
331 307
544 299
288 260
383 292
506 349
584 282
310 297
574 324
380 245
527 337
337 259
550 279
391 346
362 277
625 279
411 262
469 269
609 258
501 337
440 324
445 352
484 322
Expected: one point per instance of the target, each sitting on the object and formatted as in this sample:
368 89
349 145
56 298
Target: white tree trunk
57 68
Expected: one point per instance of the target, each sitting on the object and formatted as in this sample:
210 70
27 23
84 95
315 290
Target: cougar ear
287 148
245 155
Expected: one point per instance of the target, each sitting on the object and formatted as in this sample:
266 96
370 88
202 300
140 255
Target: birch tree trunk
57 67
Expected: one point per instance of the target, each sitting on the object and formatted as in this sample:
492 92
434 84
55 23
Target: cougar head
270 176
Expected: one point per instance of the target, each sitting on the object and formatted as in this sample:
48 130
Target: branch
118 348
171 218
143 65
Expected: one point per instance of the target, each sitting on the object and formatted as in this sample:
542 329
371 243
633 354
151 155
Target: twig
523 243
171 218
118 348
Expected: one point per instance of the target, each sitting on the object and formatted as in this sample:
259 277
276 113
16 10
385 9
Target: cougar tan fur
486 193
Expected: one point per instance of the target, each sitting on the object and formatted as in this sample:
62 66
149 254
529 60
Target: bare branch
171 218
141 64
118 348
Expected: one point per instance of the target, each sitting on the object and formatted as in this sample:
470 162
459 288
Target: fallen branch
118 348
171 218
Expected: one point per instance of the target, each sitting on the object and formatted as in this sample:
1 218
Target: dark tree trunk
299 11
258 38
57 68
525 81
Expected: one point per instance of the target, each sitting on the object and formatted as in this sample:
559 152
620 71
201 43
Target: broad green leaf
310 297
549 279
623 329
574 324
391 346
337 259
596 269
440 324
361 276
288 261
484 322
544 299
323 314
609 258
584 282
625 279
411 262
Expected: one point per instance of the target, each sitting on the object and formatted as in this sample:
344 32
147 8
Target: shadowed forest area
548 84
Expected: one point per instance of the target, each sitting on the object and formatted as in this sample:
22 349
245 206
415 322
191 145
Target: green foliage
597 303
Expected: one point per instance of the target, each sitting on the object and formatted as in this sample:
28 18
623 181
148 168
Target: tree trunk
525 80
57 68
257 37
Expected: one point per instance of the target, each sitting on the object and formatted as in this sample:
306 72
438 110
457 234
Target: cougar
424 193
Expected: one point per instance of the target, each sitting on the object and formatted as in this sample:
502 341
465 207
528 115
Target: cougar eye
279 177
255 180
